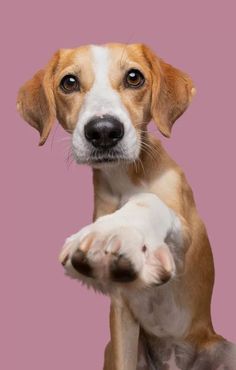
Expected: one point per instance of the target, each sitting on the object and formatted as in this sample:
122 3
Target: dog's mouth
98 157
121 153
106 156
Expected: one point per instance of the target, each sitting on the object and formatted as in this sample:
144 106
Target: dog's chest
164 353
158 312
121 186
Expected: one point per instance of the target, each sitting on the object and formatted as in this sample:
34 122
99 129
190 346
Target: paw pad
80 263
122 270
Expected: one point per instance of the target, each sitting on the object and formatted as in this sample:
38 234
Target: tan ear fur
172 91
35 101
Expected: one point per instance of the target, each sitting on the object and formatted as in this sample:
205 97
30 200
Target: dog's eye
69 84
134 78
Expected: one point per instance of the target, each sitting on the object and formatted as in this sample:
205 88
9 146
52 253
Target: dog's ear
35 101
172 91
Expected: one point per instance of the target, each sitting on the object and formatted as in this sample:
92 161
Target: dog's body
148 249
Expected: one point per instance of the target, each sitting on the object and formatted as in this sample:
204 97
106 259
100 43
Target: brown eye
69 84
134 78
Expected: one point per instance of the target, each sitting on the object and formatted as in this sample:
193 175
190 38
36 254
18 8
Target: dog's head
105 96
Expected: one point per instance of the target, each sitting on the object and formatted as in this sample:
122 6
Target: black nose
104 132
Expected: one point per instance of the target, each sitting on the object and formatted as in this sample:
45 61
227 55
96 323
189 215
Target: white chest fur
120 184
158 311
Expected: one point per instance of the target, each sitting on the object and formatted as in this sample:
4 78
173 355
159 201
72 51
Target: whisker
149 150
141 163
64 139
148 153
155 152
69 158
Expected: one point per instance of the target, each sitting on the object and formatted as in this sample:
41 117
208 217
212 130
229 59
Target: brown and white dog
147 248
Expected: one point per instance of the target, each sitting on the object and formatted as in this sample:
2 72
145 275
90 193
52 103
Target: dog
147 248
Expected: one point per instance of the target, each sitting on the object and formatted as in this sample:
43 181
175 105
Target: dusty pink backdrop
50 321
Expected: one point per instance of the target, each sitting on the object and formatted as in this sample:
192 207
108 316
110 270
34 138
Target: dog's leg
220 355
121 351
124 336
137 246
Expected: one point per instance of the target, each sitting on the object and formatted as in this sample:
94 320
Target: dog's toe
122 270
64 260
80 263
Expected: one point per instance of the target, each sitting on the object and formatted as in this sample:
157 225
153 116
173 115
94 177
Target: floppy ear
35 101
172 91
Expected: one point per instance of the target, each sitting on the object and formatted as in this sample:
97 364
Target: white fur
100 100
143 220
120 183
159 312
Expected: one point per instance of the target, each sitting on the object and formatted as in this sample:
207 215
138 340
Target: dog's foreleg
142 243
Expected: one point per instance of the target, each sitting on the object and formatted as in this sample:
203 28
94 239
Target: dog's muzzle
104 132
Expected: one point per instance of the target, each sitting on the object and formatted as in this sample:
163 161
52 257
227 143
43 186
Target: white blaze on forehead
102 94
102 98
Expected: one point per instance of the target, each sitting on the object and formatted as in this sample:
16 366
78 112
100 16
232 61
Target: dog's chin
107 162
109 158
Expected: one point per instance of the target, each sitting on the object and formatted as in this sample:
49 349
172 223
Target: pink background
50 321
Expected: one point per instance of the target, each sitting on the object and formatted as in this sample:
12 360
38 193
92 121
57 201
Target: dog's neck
121 175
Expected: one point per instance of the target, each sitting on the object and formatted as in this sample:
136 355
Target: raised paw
103 257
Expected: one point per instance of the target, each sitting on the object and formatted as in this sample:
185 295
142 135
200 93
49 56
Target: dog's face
105 96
